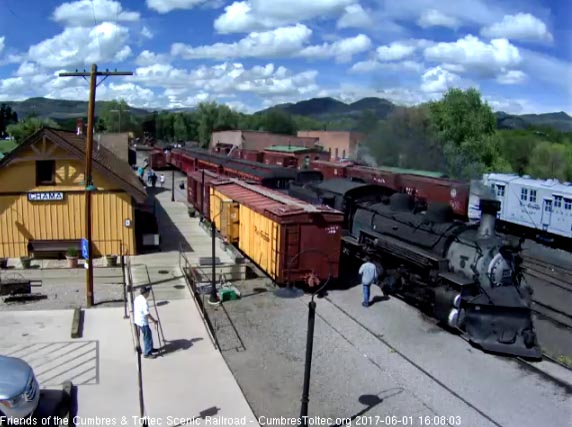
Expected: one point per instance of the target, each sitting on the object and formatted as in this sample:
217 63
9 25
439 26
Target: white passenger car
541 205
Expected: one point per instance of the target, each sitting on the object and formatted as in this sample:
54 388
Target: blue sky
255 53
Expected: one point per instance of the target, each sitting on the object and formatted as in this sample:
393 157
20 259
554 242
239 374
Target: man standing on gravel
368 272
141 316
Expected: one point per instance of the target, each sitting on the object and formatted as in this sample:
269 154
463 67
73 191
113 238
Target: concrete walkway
190 379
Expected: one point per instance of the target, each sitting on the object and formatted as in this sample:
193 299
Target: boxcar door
291 250
229 220
546 213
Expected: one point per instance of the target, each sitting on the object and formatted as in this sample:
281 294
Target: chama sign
46 196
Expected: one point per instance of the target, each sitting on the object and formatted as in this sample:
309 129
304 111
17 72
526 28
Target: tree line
457 134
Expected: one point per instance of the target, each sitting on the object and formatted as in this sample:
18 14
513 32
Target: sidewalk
190 379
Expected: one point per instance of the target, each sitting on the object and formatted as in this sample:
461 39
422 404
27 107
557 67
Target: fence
200 294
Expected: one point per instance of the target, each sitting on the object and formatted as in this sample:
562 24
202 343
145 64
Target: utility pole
88 179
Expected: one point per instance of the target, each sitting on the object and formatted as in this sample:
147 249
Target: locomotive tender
466 275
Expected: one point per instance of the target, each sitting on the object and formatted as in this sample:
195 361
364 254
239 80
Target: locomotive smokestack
489 209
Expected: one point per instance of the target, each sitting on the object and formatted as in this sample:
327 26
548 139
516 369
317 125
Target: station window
524 194
500 190
567 204
548 205
343 154
336 153
557 201
45 172
533 196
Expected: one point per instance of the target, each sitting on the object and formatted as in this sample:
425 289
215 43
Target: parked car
19 389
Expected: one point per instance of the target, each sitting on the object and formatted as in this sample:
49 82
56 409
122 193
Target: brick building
248 140
340 144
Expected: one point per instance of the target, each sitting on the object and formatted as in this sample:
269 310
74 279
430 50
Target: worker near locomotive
465 275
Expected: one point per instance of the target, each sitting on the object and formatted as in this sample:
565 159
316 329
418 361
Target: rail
199 297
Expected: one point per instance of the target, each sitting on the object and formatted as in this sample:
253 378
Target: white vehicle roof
550 184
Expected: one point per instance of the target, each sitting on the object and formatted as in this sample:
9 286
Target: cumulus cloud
225 80
85 12
438 80
401 66
471 54
166 6
77 46
355 17
512 77
2 43
147 33
342 50
149 58
280 42
255 15
395 51
434 18
522 26
283 41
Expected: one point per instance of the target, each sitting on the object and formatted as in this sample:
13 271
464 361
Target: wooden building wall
22 220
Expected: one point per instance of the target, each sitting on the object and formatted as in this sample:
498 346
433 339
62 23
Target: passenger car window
524 194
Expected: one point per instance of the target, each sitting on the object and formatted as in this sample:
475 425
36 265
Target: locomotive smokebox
489 209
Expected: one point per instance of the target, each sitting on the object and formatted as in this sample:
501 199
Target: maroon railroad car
374 176
157 160
280 159
195 193
289 239
330 169
441 190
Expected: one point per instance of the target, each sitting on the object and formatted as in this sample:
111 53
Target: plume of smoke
364 156
480 190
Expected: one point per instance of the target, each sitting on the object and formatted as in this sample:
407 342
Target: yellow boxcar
225 214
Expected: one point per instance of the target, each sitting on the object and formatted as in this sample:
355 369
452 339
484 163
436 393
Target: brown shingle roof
104 161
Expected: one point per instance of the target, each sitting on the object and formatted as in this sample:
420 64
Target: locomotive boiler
465 275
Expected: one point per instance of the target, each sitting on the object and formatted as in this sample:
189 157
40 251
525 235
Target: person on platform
368 273
141 317
162 179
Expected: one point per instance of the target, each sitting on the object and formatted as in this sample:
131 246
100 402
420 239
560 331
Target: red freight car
374 176
442 190
197 196
280 159
287 238
330 169
157 160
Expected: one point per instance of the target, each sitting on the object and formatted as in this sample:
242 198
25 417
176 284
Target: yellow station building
42 198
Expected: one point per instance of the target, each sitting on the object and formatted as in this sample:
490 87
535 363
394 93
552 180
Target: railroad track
550 273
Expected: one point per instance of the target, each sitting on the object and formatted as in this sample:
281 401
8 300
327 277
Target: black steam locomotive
465 275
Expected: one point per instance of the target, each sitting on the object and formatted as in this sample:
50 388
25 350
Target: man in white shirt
141 316
368 272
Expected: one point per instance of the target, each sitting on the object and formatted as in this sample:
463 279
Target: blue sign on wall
84 249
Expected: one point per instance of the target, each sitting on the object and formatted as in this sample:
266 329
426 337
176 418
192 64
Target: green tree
7 117
279 121
227 119
27 127
207 115
549 160
116 117
308 123
165 130
179 128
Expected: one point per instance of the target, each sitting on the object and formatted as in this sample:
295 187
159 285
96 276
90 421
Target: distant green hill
329 109
59 108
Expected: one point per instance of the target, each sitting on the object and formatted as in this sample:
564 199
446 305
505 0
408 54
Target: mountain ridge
325 109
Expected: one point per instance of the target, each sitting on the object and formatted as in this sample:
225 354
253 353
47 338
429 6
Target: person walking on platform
141 317
368 272
162 179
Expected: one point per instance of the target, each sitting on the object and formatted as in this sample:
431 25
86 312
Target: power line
95 26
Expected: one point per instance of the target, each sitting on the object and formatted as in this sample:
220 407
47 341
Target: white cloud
85 12
438 80
225 80
166 6
27 69
2 43
395 51
355 17
402 66
551 70
342 50
149 58
147 33
522 26
470 53
254 15
434 18
512 77
283 41
80 46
